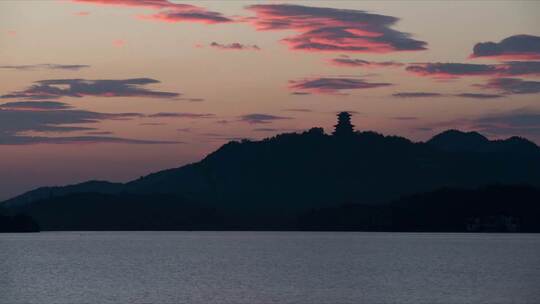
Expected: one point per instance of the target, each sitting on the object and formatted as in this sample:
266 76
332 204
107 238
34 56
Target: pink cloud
168 11
81 13
119 43
329 29
196 15
153 4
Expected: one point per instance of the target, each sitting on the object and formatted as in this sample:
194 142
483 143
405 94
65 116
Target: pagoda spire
344 126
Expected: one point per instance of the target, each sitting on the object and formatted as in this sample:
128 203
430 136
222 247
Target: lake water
268 267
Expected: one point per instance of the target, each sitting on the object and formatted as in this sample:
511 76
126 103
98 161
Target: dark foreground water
268 267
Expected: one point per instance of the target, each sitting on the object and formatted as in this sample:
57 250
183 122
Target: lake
268 267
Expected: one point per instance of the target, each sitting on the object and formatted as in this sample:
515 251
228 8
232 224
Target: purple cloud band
234 46
454 70
257 118
57 88
328 85
50 66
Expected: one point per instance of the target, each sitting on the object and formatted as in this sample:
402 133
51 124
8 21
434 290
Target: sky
117 89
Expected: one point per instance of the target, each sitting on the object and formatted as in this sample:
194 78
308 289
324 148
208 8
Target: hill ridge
200 176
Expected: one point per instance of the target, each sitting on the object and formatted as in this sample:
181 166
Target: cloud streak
16 120
432 94
479 95
193 14
513 47
7 139
513 86
58 88
257 118
181 115
416 94
329 29
234 46
405 118
346 61
167 11
327 85
48 66
300 110
152 4
34 105
19 118
455 70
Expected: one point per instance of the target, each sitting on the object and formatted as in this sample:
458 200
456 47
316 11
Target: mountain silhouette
275 179
454 140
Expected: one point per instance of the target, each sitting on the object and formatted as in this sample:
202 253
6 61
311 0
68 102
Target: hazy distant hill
291 173
17 223
48 192
509 208
492 208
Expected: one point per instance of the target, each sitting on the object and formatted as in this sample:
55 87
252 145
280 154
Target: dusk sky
116 89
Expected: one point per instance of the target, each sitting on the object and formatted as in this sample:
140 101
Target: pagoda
344 126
